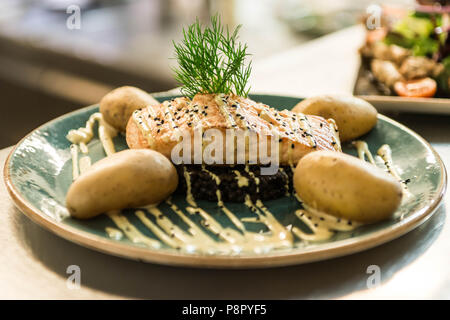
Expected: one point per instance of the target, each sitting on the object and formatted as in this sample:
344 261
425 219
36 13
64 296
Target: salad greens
443 79
417 32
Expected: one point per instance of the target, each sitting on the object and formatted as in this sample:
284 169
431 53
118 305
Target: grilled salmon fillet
155 127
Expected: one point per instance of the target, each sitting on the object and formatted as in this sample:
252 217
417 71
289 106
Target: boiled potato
118 105
126 179
346 187
354 116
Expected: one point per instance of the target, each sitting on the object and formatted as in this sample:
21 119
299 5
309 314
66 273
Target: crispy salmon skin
158 127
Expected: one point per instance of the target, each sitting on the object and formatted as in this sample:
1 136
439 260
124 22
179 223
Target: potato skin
118 105
354 116
127 179
347 187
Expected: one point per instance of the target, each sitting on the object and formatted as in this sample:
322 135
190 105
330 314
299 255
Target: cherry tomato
420 88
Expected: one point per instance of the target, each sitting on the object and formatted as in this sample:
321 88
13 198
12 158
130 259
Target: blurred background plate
366 88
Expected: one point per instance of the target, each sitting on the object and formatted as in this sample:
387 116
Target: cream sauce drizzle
203 111
85 134
333 126
291 121
306 128
190 242
85 164
385 154
252 175
157 231
245 241
114 233
317 232
189 196
168 115
363 151
221 101
144 125
322 225
131 231
193 114
194 229
75 168
280 232
82 136
241 180
84 148
220 203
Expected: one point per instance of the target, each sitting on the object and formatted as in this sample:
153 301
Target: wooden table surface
33 261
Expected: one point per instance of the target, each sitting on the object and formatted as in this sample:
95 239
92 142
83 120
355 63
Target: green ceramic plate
38 175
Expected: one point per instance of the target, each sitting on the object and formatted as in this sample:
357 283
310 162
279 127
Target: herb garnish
211 60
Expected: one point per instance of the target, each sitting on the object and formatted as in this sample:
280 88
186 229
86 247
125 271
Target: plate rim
411 105
404 99
292 257
394 103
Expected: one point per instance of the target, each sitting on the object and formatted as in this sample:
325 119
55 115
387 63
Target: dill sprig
211 60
